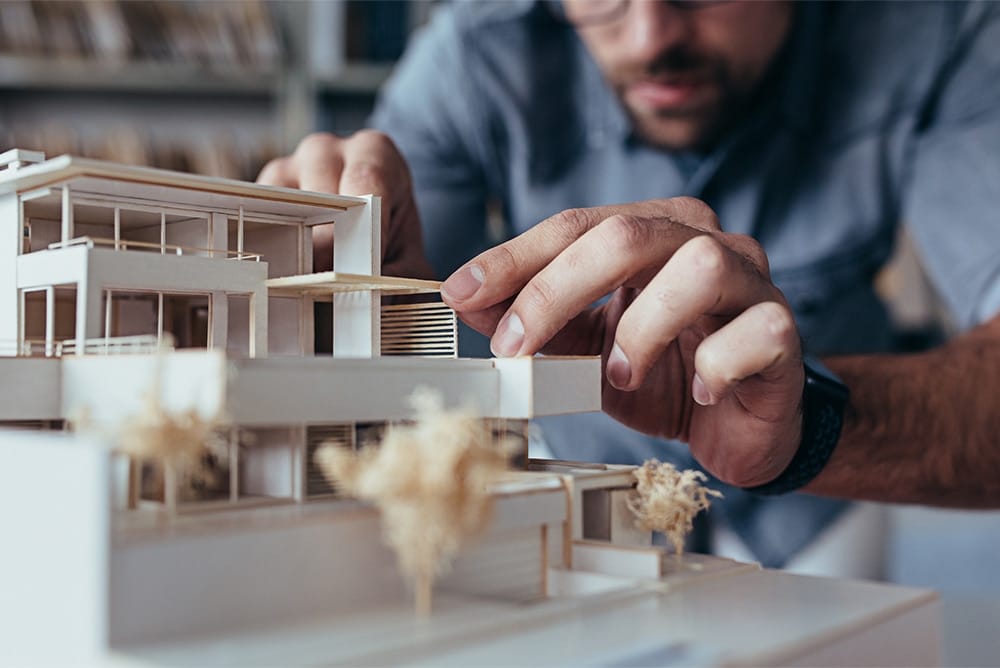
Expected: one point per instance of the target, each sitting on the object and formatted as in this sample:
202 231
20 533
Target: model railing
419 330
162 248
112 345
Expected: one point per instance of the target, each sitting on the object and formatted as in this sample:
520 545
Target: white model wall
323 390
273 566
357 249
151 271
55 513
261 573
566 385
538 386
55 267
284 336
278 244
10 244
111 388
30 389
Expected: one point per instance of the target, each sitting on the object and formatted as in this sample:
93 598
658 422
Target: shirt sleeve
428 108
952 203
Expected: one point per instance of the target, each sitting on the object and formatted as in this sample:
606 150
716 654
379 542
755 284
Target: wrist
824 400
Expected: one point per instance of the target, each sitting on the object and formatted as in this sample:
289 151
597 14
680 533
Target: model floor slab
742 617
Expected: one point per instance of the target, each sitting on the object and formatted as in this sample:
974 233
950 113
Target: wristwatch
824 398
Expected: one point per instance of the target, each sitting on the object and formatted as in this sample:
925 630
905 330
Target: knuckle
778 321
696 212
382 156
539 295
272 171
499 261
751 249
571 223
318 143
708 255
623 234
374 141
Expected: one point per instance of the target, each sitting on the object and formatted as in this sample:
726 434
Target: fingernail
700 392
619 369
508 337
463 283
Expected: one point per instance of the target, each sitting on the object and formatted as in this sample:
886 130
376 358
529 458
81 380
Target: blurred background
220 87
213 87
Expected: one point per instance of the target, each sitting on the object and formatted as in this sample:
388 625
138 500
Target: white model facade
102 264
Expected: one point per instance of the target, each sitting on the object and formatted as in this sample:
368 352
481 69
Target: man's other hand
364 163
697 342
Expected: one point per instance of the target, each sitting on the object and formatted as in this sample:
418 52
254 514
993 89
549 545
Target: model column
357 250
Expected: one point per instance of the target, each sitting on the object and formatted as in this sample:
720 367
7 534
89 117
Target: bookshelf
213 87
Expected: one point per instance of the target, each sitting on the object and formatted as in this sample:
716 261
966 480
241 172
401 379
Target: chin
672 138
677 133
681 128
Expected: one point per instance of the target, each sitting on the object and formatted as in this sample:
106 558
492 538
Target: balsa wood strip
330 282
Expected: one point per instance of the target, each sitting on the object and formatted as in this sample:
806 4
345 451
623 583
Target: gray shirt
875 113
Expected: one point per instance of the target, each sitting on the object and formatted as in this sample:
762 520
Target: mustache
675 61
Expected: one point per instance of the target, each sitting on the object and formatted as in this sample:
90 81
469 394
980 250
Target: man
813 128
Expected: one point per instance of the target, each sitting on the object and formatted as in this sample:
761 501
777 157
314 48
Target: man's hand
364 163
697 341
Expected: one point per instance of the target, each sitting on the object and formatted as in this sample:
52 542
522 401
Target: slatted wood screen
35 425
419 330
340 434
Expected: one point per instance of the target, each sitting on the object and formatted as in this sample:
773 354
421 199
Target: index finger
501 272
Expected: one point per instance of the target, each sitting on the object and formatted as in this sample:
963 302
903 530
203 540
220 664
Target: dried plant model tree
431 480
667 500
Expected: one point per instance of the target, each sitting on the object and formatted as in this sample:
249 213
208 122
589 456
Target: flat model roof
99 177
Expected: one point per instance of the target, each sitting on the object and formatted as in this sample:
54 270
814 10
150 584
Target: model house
104 267
123 288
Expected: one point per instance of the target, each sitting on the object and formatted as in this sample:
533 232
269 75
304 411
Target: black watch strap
824 398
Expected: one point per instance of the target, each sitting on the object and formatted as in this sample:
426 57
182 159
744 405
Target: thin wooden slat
436 321
419 330
408 316
422 335
417 307
341 435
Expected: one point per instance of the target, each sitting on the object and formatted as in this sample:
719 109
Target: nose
653 27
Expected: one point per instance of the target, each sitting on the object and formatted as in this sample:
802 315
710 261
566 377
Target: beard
681 100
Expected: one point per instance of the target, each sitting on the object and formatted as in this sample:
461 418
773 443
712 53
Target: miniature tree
431 480
179 439
184 442
667 500
182 438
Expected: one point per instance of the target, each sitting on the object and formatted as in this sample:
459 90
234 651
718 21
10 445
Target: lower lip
662 96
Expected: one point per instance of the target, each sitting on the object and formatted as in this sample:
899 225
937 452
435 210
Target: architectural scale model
123 288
